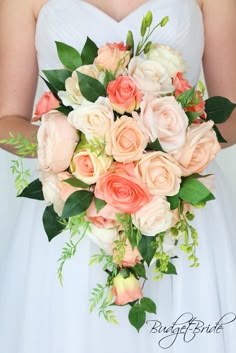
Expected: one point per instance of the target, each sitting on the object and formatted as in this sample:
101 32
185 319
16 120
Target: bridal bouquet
122 145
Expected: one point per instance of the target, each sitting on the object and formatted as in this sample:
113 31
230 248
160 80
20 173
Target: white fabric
36 314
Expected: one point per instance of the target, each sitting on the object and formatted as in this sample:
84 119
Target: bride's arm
19 71
219 60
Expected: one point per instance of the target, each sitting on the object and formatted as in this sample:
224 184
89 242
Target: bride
36 314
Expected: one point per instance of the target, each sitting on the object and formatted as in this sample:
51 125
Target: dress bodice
72 21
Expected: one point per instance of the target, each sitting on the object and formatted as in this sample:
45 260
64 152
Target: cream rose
87 166
57 140
150 76
160 172
153 218
200 148
126 141
93 119
168 57
164 118
104 238
72 95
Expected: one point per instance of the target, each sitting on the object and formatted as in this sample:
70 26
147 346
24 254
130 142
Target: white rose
104 238
72 95
87 166
150 76
153 218
93 119
51 191
163 118
168 57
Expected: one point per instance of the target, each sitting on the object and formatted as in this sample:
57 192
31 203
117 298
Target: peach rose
200 148
126 290
103 238
126 141
123 95
164 118
46 103
130 258
153 218
150 76
105 218
183 85
65 189
160 172
168 57
121 189
57 140
113 57
87 166
93 119
72 95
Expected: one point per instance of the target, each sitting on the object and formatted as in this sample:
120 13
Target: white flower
153 218
104 238
150 76
168 57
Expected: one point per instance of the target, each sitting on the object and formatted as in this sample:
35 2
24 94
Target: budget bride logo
187 328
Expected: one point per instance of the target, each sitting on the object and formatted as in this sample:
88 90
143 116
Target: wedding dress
37 315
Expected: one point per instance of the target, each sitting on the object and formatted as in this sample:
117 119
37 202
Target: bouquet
123 143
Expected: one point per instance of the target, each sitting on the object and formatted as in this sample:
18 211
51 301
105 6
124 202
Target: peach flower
160 172
105 218
164 118
57 140
121 189
150 76
126 290
72 95
87 166
123 95
93 119
113 57
153 218
200 148
46 103
168 57
130 258
126 141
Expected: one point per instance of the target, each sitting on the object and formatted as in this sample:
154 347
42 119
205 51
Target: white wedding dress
37 315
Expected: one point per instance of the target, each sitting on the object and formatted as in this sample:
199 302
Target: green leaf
220 138
99 204
77 203
148 305
89 52
76 183
155 146
33 191
146 248
51 87
218 109
138 270
186 97
173 201
90 88
68 56
137 316
108 78
171 270
52 223
192 116
57 78
64 110
193 191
